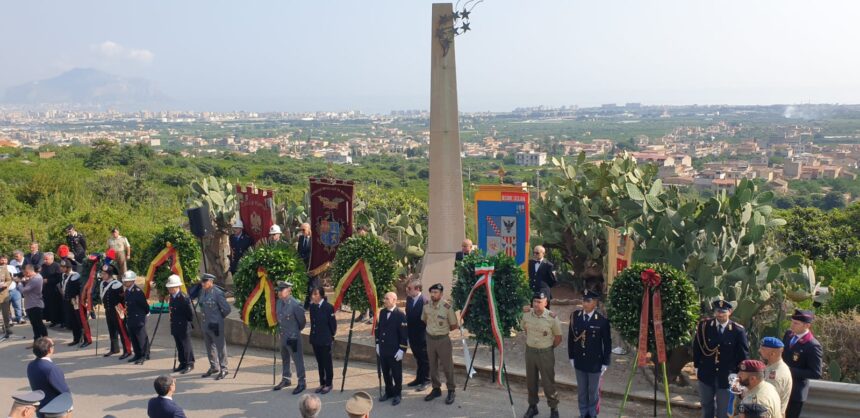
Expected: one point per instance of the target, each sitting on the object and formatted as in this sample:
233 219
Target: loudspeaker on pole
198 219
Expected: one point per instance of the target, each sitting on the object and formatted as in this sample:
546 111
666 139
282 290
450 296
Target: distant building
531 158
338 157
47 155
792 169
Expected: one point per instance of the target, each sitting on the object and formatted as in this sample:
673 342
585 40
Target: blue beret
772 342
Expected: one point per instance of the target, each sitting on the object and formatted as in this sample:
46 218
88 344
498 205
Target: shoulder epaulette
447 305
552 314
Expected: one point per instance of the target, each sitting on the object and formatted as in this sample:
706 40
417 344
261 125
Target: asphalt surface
103 386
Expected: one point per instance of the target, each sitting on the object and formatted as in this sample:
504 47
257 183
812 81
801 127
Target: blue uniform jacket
416 328
181 315
136 307
323 324
731 348
589 343
804 361
391 332
159 407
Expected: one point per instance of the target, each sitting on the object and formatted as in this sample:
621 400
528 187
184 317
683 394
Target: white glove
571 364
398 355
603 369
377 349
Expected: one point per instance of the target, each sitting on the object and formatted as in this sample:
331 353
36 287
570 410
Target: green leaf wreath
281 263
189 256
680 304
512 293
380 260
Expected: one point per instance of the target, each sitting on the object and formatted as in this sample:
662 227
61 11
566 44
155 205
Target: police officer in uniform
59 407
417 333
323 330
440 319
291 319
137 310
719 346
181 319
70 287
391 346
589 346
24 405
111 293
543 335
240 242
777 372
757 391
803 355
215 308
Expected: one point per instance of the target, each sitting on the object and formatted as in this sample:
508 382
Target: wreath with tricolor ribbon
257 275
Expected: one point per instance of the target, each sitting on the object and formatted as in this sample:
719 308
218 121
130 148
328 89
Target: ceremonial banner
330 218
358 268
168 254
256 210
502 216
264 290
619 254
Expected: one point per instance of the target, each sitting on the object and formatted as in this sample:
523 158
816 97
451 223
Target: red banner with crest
256 210
330 219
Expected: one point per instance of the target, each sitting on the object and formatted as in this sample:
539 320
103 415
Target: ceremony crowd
51 290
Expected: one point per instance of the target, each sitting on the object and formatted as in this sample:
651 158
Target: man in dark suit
240 242
417 333
719 346
541 274
589 345
181 318
803 355
391 346
303 247
465 249
35 258
70 287
137 309
43 374
163 406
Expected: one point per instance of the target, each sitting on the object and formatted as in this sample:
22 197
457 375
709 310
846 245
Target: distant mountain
88 87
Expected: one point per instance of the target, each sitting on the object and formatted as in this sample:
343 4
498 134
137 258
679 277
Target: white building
531 158
338 157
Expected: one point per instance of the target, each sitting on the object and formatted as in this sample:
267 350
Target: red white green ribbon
485 274
358 268
168 254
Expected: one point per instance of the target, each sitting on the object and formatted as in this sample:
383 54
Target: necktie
722 328
793 340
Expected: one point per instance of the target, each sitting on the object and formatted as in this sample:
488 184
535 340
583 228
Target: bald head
390 300
539 252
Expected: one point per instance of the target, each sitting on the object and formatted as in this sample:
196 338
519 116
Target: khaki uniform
540 357
779 375
439 318
765 395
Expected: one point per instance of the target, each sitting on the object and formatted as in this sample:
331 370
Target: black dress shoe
222 374
450 399
325 389
384 398
85 344
139 361
284 383
73 343
124 356
435 393
187 369
395 401
319 389
413 383
134 359
531 412
110 353
553 413
299 389
209 372
422 387
179 368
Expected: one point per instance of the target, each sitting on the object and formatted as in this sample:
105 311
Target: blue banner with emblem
503 221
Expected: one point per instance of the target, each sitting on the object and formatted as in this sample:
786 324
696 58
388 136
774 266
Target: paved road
107 386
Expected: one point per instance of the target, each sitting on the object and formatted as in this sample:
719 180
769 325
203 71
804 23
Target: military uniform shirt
214 306
765 395
541 330
439 317
779 375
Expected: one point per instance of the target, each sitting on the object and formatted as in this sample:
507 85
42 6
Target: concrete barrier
831 400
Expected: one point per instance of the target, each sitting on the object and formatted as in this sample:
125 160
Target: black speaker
198 219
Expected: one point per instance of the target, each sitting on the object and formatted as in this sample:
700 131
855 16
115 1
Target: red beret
752 366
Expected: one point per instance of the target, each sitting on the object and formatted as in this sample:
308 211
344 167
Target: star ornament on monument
455 24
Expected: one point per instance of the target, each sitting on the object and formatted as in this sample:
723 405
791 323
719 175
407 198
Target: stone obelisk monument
447 223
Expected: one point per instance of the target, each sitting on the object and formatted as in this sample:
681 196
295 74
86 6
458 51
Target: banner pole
242 357
469 372
346 356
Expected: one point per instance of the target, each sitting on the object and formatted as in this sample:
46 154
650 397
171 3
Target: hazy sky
375 55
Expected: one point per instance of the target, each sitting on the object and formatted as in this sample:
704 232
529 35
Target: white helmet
275 229
129 276
238 224
174 281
